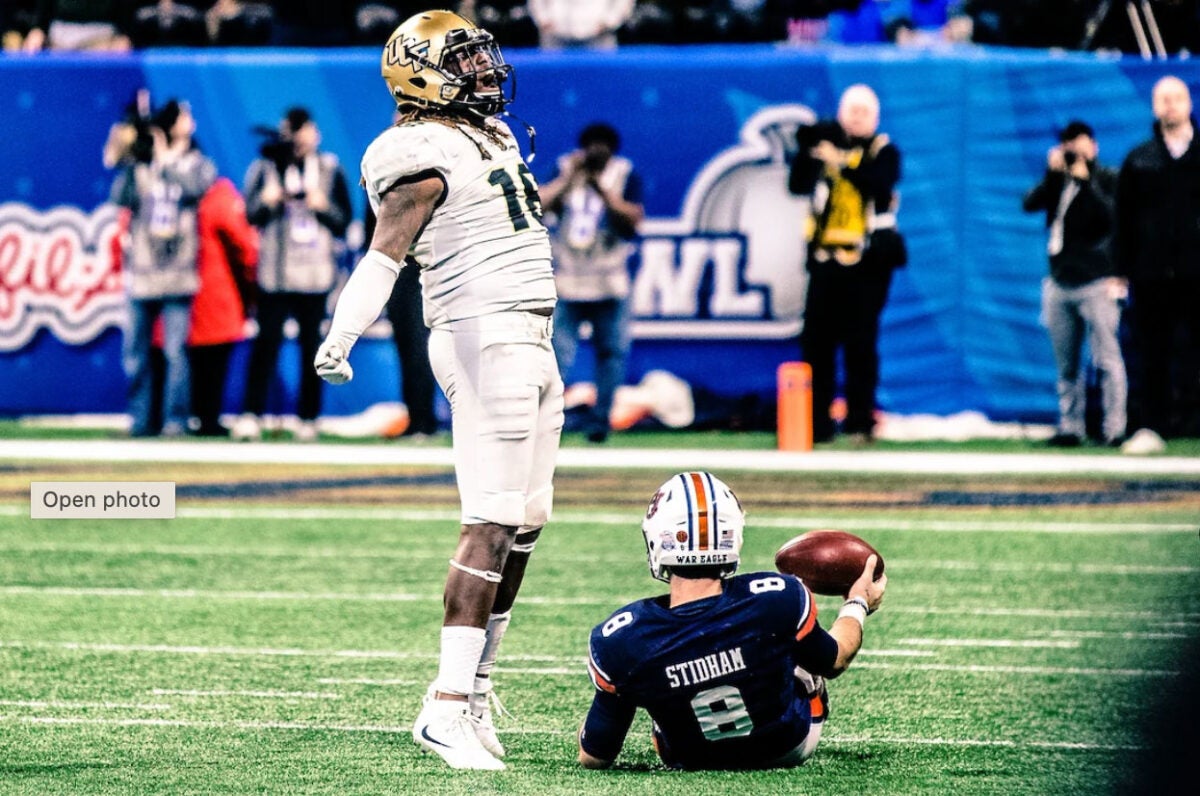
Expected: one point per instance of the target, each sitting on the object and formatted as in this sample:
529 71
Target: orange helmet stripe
702 508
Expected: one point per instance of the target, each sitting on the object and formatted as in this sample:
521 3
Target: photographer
162 178
298 198
849 170
596 204
1082 292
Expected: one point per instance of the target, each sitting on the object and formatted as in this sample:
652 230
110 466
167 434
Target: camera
275 147
137 120
1070 157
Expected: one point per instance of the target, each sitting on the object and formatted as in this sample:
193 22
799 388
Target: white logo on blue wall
732 264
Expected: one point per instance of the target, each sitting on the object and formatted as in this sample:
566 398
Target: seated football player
731 669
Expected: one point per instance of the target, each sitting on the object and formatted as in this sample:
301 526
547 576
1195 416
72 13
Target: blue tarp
709 128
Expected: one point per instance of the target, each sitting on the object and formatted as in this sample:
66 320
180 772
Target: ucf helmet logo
405 52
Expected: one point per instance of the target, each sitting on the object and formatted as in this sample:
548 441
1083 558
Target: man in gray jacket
161 185
298 198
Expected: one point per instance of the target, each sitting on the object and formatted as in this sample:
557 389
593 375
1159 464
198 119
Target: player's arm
863 598
404 210
604 729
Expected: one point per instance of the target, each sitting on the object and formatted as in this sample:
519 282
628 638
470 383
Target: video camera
275 146
137 119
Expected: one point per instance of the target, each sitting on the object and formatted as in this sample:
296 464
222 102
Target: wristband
855 608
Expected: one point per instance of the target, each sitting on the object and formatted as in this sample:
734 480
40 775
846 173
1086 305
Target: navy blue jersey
715 675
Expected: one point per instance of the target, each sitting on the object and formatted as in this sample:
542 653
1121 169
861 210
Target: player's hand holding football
868 589
332 364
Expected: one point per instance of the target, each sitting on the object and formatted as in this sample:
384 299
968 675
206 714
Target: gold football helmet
437 59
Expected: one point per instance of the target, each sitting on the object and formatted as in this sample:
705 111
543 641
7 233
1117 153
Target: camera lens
1070 157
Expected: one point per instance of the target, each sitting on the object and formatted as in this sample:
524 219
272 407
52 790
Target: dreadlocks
467 125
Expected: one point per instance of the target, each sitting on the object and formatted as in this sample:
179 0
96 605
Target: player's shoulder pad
404 150
783 596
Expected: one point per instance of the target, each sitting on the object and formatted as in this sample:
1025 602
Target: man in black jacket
1158 250
1082 293
850 170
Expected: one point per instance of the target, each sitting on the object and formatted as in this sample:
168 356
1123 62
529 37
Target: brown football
827 561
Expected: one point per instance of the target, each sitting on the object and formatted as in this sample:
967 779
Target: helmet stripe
701 511
688 489
714 524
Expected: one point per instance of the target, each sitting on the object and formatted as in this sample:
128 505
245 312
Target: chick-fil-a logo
57 271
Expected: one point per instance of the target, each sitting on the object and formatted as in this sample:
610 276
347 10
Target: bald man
1158 251
849 170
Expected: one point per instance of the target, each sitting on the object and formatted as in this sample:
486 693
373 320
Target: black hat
600 133
1074 129
297 117
165 117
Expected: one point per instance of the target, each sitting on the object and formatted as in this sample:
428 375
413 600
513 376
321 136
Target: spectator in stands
1082 294
568 23
81 25
297 196
169 23
161 182
312 23
17 18
853 246
233 23
1158 237
596 196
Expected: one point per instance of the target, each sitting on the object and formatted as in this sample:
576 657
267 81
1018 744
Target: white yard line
849 740
397 655
1028 643
667 460
388 597
190 692
801 523
68 705
1030 670
1135 635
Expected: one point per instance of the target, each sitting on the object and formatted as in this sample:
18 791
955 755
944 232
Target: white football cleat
247 428
481 704
446 728
1144 442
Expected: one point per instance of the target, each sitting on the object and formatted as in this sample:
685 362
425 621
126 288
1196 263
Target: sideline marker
793 423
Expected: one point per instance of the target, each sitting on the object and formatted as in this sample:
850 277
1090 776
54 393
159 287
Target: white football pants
506 403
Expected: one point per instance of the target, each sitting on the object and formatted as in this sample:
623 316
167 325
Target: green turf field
280 642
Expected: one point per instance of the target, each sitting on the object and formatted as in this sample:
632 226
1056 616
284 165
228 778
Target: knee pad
526 540
537 507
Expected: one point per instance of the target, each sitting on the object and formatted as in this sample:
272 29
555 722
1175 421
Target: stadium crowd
34 25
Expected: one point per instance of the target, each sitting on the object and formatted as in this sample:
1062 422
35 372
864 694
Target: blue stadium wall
719 278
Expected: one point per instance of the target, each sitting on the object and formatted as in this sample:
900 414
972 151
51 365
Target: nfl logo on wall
732 265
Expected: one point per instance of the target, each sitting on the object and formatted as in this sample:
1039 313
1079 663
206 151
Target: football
827 561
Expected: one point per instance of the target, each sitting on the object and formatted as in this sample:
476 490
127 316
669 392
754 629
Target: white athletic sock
496 627
461 648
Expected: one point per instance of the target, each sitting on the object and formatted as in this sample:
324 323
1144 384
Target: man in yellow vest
849 170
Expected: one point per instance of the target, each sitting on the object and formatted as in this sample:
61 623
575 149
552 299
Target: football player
731 669
454 198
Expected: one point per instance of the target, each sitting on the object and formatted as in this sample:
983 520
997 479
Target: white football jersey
484 250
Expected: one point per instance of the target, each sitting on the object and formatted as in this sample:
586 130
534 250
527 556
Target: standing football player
454 198
731 669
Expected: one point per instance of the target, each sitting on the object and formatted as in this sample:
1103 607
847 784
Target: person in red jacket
227 262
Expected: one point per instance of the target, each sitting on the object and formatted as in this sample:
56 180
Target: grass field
277 636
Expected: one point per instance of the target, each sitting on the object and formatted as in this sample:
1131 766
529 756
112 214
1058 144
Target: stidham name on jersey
701 670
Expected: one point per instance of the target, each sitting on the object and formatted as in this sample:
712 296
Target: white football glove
331 363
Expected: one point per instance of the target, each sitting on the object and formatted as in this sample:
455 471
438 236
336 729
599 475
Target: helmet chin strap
529 131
